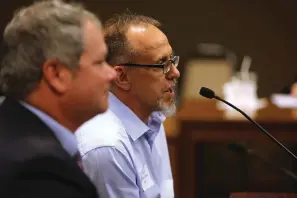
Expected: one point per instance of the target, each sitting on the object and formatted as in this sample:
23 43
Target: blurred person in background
124 151
54 78
293 89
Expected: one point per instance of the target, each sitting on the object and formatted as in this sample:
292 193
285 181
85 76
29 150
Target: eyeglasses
165 65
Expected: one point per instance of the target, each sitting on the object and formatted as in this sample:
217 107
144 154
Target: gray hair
45 30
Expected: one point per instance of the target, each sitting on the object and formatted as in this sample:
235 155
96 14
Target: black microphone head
207 93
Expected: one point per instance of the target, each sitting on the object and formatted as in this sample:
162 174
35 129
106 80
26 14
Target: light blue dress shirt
64 136
124 157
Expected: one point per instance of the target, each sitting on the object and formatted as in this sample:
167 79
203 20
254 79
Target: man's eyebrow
165 58
162 59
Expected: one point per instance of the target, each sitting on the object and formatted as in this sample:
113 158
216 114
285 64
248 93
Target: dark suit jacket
33 163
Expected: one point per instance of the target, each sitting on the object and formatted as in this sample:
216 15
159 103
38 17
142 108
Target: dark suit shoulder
48 176
24 154
33 160
32 166
24 135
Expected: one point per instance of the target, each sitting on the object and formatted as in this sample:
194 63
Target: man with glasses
124 151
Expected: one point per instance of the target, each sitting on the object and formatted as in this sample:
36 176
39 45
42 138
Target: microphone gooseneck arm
208 93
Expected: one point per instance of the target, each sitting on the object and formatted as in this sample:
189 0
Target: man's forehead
94 40
137 28
146 37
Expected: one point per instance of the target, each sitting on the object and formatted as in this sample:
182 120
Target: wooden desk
201 122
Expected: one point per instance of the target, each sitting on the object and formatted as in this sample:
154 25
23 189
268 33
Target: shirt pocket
148 187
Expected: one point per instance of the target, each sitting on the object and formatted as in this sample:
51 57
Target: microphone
208 93
240 149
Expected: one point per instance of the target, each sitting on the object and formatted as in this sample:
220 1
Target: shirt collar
64 136
134 126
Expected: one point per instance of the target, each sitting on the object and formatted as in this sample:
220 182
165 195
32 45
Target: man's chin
168 110
166 106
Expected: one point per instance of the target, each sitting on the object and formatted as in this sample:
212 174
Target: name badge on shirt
146 180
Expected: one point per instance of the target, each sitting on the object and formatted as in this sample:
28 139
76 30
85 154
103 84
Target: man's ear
123 79
57 76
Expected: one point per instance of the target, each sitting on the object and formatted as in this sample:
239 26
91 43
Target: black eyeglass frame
174 61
